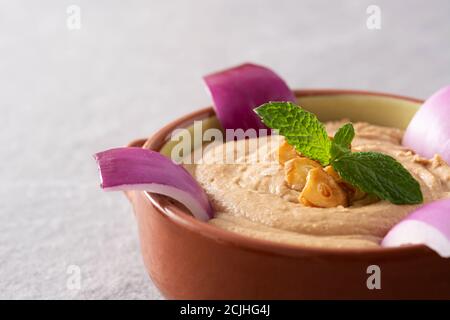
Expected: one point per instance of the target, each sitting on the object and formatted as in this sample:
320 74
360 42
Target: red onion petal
428 225
428 133
237 91
147 170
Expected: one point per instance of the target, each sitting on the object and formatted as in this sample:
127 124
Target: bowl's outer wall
185 263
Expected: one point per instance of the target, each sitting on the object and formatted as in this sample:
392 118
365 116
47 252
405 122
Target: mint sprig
301 129
342 140
371 172
379 174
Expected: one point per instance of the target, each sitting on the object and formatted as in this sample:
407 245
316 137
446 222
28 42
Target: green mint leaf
379 174
340 144
301 129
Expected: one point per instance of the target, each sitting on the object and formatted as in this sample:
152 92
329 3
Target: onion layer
237 91
147 170
428 133
428 225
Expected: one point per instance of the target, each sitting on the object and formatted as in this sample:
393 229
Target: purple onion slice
147 170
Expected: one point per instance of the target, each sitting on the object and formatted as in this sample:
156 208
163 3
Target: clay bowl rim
180 216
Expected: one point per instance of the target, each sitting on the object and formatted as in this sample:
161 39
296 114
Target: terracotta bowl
190 259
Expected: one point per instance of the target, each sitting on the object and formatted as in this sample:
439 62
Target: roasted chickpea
286 152
321 190
354 194
296 171
330 170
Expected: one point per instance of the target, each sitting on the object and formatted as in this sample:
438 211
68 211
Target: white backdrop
132 67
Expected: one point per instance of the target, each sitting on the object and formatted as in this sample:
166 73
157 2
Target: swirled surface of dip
251 198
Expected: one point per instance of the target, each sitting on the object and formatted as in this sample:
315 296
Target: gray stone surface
135 65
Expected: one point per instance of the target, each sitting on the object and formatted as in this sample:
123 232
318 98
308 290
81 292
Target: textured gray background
136 65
